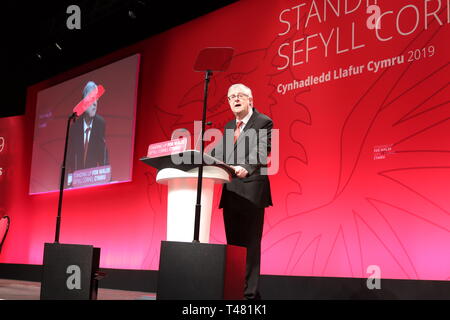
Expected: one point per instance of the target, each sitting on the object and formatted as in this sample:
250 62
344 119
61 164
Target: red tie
237 131
86 144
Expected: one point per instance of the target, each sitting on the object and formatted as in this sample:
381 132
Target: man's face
92 109
239 101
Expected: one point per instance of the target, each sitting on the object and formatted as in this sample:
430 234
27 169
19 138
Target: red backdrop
364 164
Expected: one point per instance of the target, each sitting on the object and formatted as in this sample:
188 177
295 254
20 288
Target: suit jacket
250 151
97 153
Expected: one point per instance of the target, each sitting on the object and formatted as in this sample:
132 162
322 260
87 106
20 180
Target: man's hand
240 171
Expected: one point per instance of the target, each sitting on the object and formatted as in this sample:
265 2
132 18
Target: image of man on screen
245 146
87 145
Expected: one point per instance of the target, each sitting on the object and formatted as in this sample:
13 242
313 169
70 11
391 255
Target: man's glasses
239 96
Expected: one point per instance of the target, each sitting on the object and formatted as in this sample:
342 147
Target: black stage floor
28 290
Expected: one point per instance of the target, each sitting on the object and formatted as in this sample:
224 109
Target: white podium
181 179
181 200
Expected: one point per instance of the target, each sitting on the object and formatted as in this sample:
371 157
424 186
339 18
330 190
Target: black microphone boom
71 118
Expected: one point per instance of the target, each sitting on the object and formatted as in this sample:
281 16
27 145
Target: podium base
69 272
200 271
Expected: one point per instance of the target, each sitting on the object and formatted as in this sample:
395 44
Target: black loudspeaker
201 271
69 272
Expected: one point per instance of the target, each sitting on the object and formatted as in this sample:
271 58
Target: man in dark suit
87 145
245 145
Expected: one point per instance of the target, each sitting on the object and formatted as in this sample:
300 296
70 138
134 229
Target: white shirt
245 120
85 126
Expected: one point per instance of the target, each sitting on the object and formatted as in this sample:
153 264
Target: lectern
181 180
187 269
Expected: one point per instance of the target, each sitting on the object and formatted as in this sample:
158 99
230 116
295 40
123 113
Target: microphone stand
63 176
198 206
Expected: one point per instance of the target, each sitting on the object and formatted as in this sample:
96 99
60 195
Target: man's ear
250 102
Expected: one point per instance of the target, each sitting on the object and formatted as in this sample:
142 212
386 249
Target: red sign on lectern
166 148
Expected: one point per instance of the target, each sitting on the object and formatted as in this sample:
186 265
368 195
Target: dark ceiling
32 31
